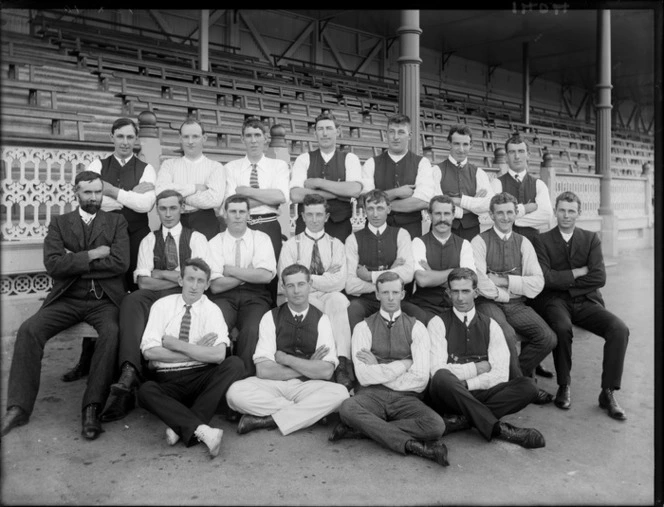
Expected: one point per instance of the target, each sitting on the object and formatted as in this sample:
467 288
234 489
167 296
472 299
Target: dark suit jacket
66 232
557 262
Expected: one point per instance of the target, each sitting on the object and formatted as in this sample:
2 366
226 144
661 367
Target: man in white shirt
434 255
470 369
465 183
371 251
509 274
185 341
326 258
335 175
160 258
264 182
391 359
243 263
407 178
295 359
200 180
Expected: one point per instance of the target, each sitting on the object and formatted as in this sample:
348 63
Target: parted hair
568 196
463 130
502 198
199 263
123 122
164 194
313 199
231 199
443 199
86 176
254 122
375 195
516 139
326 115
388 276
462 274
294 269
398 119
192 121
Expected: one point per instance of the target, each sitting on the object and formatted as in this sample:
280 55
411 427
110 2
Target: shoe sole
119 389
214 452
562 406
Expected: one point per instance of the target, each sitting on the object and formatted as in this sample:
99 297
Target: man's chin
91 208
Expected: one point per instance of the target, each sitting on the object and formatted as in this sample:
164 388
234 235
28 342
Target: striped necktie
253 179
171 253
316 266
186 324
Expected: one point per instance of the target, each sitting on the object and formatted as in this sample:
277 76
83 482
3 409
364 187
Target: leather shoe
82 368
342 373
608 401
91 423
14 417
455 423
253 422
233 416
119 406
543 372
528 438
543 397
127 381
563 397
342 430
435 451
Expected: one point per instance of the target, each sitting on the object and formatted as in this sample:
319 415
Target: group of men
409 336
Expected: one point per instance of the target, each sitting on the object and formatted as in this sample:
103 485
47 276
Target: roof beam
297 42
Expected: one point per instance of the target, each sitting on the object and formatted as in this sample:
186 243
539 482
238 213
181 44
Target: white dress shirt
400 375
141 203
182 175
498 354
272 174
477 205
424 189
165 319
355 285
542 217
266 348
145 262
302 162
256 252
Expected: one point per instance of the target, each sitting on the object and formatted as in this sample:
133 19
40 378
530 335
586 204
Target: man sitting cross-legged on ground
391 358
470 369
295 357
326 258
160 258
508 273
186 340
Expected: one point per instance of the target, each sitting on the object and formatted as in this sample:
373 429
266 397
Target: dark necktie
465 325
122 162
185 324
517 178
171 253
253 179
390 323
298 319
316 266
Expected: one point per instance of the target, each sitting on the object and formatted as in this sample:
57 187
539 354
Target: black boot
435 451
82 368
253 422
342 373
128 380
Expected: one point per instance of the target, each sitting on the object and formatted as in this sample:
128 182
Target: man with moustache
465 183
334 175
86 252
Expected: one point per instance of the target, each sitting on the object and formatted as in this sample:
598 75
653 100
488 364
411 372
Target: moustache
443 222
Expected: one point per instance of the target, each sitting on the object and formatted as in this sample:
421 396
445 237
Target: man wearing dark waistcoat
335 175
295 360
391 359
372 251
509 274
86 252
465 183
470 369
160 260
573 266
434 255
405 177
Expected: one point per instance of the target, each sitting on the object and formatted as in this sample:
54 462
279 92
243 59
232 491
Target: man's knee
145 390
234 366
348 409
442 381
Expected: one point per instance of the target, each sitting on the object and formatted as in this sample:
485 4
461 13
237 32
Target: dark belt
262 219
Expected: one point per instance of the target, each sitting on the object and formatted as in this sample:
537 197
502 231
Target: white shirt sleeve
373 374
325 338
531 281
145 259
140 203
216 256
416 377
166 181
354 285
328 281
368 169
266 348
542 216
354 169
499 359
299 172
419 254
424 188
479 205
263 255
213 197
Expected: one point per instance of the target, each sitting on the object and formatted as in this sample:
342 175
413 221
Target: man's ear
180 281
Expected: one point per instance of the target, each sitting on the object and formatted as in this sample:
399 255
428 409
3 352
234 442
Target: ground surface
588 459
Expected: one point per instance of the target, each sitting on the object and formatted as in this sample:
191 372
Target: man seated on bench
160 260
86 252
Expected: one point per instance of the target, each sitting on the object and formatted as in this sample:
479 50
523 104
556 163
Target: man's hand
312 183
399 261
334 268
483 367
281 358
530 207
405 191
481 193
366 356
201 187
208 340
109 189
144 187
170 342
157 274
100 252
499 280
425 265
577 272
363 273
456 201
320 353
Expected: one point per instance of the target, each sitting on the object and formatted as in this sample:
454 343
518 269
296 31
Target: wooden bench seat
56 117
34 90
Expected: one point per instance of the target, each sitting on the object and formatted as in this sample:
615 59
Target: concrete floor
589 458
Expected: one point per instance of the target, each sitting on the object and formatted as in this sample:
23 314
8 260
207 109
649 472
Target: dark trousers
25 372
422 310
413 228
482 407
340 230
562 313
135 238
537 338
204 221
466 233
391 418
186 399
244 308
360 308
134 313
272 229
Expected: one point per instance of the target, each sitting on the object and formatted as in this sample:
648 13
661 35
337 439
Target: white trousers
293 404
335 306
